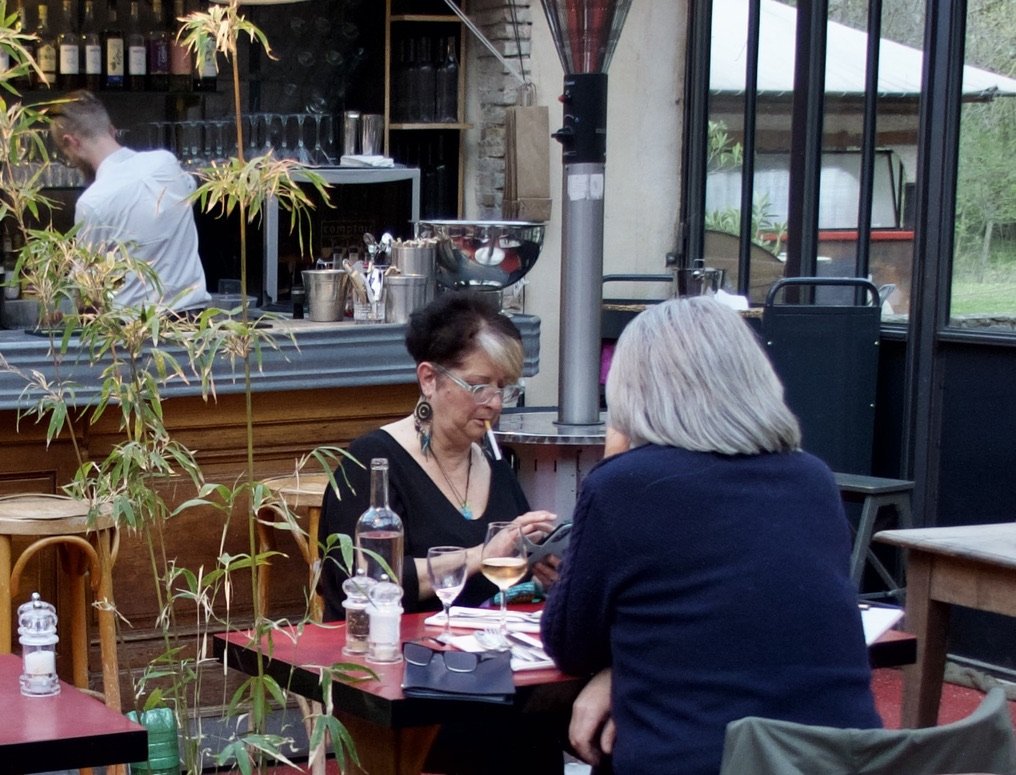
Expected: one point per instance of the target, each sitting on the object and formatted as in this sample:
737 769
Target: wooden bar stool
297 491
875 492
84 547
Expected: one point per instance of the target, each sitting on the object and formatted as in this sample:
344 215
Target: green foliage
139 352
724 154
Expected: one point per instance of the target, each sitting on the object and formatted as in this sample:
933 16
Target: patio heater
554 456
585 33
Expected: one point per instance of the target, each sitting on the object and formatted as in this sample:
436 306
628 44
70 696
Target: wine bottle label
93 60
179 60
136 61
47 58
158 58
69 60
114 57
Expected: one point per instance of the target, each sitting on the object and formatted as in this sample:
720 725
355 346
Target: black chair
827 359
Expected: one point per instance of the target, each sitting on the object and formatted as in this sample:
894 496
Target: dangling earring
422 415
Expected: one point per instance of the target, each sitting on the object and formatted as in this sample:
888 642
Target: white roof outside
899 65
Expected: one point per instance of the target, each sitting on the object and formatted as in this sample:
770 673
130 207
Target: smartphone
555 542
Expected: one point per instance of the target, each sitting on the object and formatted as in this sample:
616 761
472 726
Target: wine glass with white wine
503 562
446 566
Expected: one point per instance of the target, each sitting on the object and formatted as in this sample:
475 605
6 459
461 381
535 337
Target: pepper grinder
37 635
385 611
357 590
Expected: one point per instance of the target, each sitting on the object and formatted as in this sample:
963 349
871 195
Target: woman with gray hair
707 575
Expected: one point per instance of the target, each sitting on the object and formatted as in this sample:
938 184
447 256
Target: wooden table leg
928 620
5 594
385 751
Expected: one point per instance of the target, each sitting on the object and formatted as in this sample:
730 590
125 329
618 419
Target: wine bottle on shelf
45 50
379 529
137 53
205 72
423 76
446 85
25 81
91 48
409 96
113 52
158 50
180 65
69 52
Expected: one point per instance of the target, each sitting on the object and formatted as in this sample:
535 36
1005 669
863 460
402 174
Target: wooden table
972 566
67 731
393 733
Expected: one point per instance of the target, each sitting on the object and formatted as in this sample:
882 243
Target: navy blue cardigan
717 587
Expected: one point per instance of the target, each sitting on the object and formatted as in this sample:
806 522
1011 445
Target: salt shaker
37 635
357 590
385 611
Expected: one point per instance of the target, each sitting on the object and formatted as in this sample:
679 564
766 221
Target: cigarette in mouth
493 441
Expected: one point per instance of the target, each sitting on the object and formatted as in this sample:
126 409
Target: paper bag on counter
527 164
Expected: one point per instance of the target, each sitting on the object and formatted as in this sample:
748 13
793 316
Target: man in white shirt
139 199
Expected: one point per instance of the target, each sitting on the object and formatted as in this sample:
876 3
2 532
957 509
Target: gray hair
689 373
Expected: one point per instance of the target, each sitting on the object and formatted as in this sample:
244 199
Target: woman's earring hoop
422 415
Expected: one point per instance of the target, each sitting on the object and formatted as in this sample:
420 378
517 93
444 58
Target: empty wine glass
301 153
446 566
503 562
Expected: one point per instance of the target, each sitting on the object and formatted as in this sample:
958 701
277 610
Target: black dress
529 742
428 517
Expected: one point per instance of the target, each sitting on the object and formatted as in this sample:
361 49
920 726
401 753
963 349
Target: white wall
644 124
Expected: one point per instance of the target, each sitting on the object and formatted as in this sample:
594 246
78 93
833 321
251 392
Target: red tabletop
296 658
68 730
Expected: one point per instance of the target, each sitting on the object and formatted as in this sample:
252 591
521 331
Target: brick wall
497 89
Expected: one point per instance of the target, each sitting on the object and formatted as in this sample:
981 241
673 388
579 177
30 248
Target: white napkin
478 618
739 303
470 643
359 160
877 620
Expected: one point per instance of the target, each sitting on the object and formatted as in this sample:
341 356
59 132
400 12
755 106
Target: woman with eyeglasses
443 483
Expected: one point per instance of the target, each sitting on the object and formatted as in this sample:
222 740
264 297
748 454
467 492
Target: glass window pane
984 258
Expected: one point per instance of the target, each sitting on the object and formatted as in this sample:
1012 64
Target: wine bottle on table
379 529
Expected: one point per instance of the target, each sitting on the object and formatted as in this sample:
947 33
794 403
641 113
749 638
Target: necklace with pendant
464 508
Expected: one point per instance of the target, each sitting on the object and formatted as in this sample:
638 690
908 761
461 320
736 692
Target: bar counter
328 384
309 355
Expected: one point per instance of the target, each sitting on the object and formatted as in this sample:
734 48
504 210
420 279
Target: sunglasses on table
416 653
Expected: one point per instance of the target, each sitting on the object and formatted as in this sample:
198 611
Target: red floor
957 701
887 684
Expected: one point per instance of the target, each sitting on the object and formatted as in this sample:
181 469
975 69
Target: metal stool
875 492
85 546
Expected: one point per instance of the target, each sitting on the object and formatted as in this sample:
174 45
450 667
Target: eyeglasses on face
483 394
456 661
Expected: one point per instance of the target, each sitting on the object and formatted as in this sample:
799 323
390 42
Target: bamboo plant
139 353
